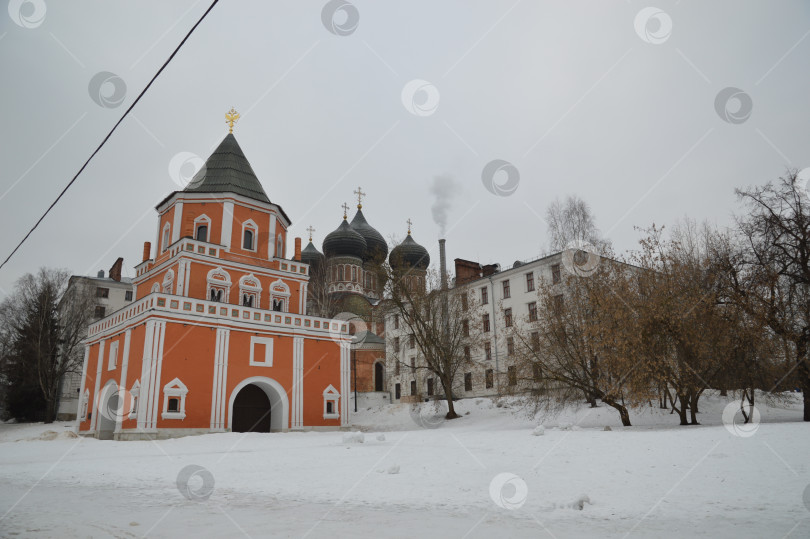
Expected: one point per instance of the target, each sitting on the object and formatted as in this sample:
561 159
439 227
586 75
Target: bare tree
571 223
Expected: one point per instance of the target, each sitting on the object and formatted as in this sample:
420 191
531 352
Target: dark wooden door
379 372
251 410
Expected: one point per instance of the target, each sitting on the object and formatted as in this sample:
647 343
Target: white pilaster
271 237
178 220
122 393
160 332
220 379
146 369
297 420
227 225
96 407
345 388
181 278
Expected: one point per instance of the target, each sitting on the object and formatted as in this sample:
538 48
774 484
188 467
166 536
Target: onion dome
344 241
376 246
409 254
311 255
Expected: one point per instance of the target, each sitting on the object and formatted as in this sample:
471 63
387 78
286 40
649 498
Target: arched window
165 241
340 273
201 227
247 241
249 233
219 284
247 300
280 247
216 295
168 282
249 291
279 296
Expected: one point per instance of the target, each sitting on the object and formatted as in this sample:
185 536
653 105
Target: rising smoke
443 188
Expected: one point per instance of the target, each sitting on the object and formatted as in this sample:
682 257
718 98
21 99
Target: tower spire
310 230
231 117
345 210
360 194
409 225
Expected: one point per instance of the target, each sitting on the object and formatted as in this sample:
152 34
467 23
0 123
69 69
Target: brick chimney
147 251
115 270
297 249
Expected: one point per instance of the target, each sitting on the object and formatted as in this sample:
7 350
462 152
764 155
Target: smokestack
147 251
297 249
443 264
115 270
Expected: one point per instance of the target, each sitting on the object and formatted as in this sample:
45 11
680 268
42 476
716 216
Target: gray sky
570 93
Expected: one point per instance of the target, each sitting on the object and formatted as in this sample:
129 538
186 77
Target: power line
70 183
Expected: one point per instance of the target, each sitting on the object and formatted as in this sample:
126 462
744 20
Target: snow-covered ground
491 473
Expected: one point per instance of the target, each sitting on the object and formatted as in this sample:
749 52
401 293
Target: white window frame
280 246
155 288
168 282
112 357
203 220
282 294
165 237
174 389
330 394
219 279
249 224
135 393
267 361
248 289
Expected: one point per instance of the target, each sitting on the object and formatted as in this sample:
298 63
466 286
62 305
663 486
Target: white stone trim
251 225
174 389
330 394
199 220
267 361
220 379
271 238
165 237
298 383
217 279
249 285
227 225
345 386
112 356
135 393
168 282
278 289
178 220
124 369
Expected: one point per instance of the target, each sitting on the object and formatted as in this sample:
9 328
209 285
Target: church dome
344 241
311 255
409 254
375 244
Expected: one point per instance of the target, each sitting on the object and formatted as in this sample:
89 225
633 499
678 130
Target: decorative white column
297 420
218 392
227 225
146 369
96 406
178 220
345 386
150 374
271 238
123 385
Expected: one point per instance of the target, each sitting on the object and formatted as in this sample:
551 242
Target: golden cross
310 230
231 117
409 225
360 194
345 209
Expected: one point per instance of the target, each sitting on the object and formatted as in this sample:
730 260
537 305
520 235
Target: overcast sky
602 99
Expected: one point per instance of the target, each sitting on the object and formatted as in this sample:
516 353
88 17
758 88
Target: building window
280 247
467 354
413 364
216 295
249 291
537 371
102 292
530 282
174 400
506 291
165 243
510 346
202 233
396 321
533 311
279 295
488 351
354 274
330 403
512 374
396 368
397 391
413 387
489 378
112 358
128 295
467 381
247 240
507 317
99 311
465 328
168 282
484 295
486 323
535 340
430 387
340 273
559 303
555 273
396 345
411 341
464 303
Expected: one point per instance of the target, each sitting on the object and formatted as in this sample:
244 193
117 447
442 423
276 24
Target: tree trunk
724 392
682 410
693 409
625 416
804 382
448 392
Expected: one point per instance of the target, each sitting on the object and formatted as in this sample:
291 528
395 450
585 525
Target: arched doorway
263 407
251 410
379 375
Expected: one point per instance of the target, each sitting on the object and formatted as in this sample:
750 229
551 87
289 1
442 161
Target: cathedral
226 334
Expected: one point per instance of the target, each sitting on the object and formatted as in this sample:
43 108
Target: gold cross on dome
310 230
231 117
360 194
345 209
409 225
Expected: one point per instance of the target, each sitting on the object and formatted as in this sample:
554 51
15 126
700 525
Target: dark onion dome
311 255
410 255
375 244
344 241
227 171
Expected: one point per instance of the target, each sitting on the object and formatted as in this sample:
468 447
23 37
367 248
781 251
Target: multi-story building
495 301
111 293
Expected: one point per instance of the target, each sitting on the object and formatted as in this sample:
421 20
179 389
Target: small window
396 345
202 233
537 371
340 274
411 341
486 323
510 346
484 295
174 405
467 381
506 290
396 321
467 354
397 390
489 379
247 300
99 312
165 244
530 282
413 387
128 295
102 292
330 403
413 364
396 368
533 311
216 295
488 351
507 317
330 407
430 387
555 273
465 327
535 340
559 304
512 374
247 240
464 302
